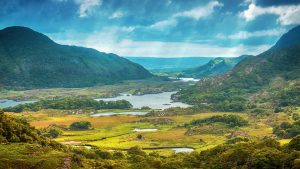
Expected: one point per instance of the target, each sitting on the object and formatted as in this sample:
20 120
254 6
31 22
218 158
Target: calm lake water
144 130
154 101
176 149
122 113
8 103
182 150
189 79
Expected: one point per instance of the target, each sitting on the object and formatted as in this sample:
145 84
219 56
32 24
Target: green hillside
214 67
254 79
32 60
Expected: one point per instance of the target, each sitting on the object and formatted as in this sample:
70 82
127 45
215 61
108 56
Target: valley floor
117 132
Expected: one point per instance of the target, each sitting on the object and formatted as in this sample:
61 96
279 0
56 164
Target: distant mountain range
155 64
214 67
273 76
32 60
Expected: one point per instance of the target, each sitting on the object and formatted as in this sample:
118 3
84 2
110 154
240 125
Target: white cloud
117 14
246 35
201 11
195 13
109 41
85 6
182 49
287 14
165 23
169 2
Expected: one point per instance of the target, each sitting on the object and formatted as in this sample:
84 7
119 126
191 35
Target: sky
158 28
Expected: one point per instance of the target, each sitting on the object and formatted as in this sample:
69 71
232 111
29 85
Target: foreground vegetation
33 153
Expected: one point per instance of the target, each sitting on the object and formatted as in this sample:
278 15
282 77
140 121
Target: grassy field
116 132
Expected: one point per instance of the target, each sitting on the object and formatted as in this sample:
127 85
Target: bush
287 130
258 112
104 154
136 151
230 120
81 125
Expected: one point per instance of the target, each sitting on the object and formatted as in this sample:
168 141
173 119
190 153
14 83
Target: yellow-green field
116 132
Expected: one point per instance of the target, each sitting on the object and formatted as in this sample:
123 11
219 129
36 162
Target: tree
81 125
136 150
55 132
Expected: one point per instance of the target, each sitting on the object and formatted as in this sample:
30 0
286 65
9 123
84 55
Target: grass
116 132
29 156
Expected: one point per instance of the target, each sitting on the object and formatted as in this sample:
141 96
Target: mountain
273 75
32 60
214 67
154 64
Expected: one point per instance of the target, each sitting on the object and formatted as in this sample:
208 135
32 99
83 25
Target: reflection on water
188 79
9 103
122 113
144 130
154 101
182 150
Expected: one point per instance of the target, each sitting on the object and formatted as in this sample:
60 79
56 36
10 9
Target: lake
189 79
8 103
122 113
176 149
144 130
182 150
154 101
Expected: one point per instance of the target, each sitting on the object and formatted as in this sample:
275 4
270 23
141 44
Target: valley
117 132
149 85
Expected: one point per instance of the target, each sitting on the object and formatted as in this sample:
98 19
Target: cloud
287 14
200 11
165 23
108 40
195 13
85 6
117 14
247 35
168 2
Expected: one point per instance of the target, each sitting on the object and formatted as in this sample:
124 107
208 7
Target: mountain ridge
252 76
214 67
32 60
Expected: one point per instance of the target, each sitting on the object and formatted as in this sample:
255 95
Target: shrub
136 151
287 130
230 120
81 125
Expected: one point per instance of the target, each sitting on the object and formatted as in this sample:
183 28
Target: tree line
70 103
